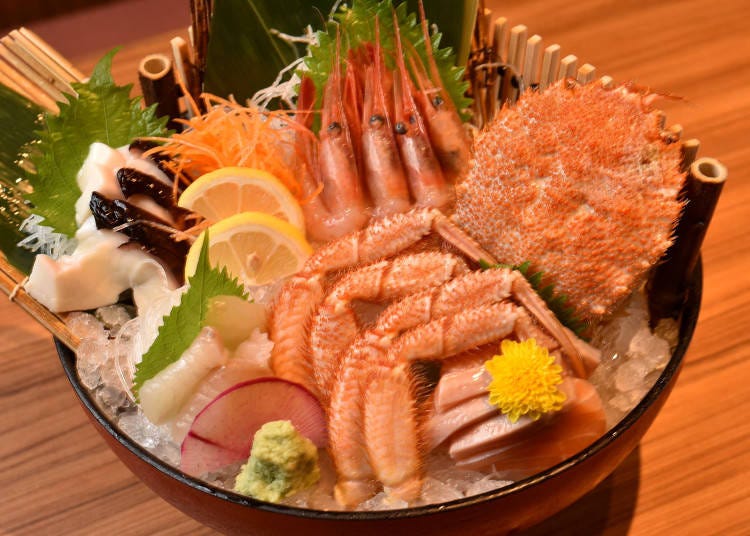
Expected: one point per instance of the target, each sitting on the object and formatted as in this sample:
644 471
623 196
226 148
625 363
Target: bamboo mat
690 475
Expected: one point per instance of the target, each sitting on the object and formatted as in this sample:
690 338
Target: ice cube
458 479
113 317
90 356
85 326
653 351
488 483
382 501
434 491
630 375
621 402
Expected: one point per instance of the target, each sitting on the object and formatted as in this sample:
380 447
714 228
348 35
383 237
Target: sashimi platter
406 258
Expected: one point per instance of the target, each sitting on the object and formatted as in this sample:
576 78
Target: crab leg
334 326
392 432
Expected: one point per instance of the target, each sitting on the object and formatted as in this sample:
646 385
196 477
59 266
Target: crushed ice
112 341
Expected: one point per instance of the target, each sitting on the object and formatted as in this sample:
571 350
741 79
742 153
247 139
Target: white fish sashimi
163 395
98 175
95 274
248 362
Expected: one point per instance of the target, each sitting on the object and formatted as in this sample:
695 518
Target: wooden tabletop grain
691 473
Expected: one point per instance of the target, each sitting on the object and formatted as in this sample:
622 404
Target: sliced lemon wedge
254 247
232 190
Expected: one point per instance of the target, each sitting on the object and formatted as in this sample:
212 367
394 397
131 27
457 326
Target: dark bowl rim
689 319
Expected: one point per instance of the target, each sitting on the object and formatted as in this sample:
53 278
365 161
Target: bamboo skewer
531 67
567 67
53 54
32 68
51 83
28 72
11 283
27 88
550 66
499 39
586 73
62 78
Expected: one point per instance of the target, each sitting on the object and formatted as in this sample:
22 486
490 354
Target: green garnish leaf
245 53
185 321
557 303
103 112
356 25
20 120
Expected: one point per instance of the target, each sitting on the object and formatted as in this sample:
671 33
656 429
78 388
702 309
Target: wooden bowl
517 506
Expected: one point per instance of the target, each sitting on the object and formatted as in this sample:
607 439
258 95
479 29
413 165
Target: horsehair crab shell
578 179
440 310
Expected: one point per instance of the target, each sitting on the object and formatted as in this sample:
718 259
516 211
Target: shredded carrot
233 135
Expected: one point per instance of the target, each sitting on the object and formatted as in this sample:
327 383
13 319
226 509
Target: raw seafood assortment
390 327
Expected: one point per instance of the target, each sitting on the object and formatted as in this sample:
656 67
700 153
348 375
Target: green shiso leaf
185 321
244 53
103 112
357 26
557 303
19 120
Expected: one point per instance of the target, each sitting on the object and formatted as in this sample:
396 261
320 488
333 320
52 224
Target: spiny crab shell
577 180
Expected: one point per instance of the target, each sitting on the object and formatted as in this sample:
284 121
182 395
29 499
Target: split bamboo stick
550 65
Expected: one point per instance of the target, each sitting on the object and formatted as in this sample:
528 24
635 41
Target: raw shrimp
426 179
385 176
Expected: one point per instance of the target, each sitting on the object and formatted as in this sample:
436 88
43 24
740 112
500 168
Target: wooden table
691 472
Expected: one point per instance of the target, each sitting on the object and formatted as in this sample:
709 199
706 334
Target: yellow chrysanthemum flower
524 380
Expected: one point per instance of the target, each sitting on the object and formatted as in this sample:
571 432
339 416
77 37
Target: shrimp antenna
428 45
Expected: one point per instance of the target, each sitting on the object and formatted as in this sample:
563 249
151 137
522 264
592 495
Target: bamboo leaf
455 21
19 120
244 54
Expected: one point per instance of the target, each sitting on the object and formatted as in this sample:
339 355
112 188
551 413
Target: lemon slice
254 247
231 190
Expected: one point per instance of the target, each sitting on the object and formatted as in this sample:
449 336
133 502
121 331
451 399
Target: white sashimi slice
441 426
234 318
249 361
539 448
147 166
222 433
95 274
163 395
98 175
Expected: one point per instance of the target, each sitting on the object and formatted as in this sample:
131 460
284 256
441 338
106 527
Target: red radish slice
222 433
